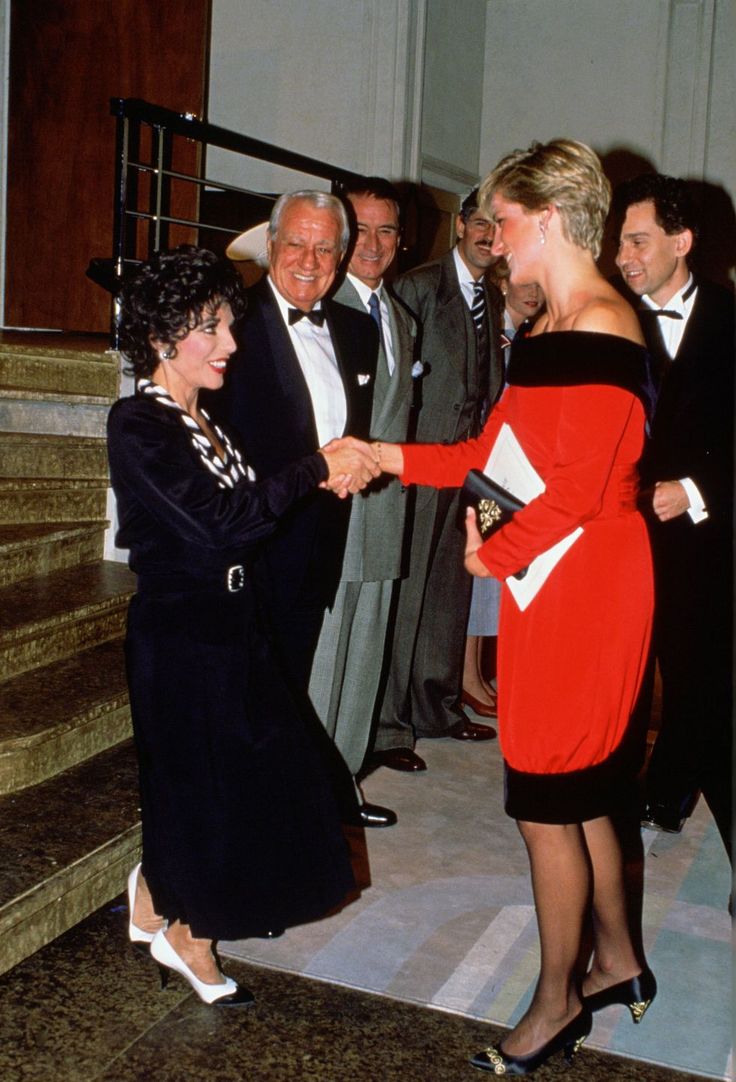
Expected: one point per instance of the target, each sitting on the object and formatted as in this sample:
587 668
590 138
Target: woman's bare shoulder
608 313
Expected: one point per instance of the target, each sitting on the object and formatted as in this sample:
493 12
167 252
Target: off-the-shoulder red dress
570 664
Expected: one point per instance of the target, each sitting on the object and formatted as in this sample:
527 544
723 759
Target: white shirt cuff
696 510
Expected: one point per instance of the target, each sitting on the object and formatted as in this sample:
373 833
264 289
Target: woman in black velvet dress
241 834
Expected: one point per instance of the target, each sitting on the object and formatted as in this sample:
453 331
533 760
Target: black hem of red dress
576 796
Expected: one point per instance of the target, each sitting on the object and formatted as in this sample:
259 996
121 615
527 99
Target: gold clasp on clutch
488 513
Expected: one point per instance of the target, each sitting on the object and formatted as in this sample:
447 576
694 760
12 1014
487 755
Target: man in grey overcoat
460 347
350 655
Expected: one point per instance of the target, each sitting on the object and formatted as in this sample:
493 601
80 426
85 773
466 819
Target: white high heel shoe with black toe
226 994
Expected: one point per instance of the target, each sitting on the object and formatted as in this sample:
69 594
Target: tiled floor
88 1009
448 919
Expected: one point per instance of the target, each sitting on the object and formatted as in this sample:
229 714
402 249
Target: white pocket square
363 378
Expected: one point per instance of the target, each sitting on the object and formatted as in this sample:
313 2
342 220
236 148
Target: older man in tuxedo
688 324
460 348
350 654
304 374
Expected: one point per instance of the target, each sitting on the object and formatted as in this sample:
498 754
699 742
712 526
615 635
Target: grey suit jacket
375 532
449 412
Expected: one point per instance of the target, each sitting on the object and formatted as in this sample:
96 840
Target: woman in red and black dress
570 664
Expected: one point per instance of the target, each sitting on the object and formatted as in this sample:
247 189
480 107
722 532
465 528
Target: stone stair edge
51 352
98 587
44 484
88 696
51 907
52 438
14 394
28 533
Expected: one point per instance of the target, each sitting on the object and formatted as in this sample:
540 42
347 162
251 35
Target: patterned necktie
478 309
316 316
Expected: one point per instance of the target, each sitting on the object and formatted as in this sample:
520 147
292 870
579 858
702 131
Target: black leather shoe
660 817
636 994
569 1041
470 730
373 815
397 759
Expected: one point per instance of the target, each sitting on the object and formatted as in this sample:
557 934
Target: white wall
452 105
338 80
648 83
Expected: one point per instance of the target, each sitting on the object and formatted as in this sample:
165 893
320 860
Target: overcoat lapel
451 316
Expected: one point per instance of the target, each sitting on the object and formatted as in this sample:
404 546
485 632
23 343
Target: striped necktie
478 309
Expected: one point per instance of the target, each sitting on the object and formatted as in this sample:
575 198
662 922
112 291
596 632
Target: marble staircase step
29 454
66 847
41 363
65 415
61 714
52 500
51 617
28 549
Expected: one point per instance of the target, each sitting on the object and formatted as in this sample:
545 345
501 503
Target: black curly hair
674 209
170 295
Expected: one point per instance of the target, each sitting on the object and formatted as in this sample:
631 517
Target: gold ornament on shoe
495 1057
488 513
638 1009
578 1045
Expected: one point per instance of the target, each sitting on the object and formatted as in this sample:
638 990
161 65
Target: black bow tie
669 313
316 316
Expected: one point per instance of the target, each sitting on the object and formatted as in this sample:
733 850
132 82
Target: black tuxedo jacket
692 436
266 400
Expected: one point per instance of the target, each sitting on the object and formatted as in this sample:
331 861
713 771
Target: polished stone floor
88 1009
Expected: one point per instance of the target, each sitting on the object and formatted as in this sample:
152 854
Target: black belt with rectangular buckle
231 580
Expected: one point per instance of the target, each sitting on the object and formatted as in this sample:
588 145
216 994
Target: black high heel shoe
569 1039
636 994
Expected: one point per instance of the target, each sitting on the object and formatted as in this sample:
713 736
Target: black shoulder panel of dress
581 358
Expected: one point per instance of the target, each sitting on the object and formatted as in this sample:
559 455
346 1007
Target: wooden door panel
67 59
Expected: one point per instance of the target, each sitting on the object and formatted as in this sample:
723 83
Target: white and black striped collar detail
229 471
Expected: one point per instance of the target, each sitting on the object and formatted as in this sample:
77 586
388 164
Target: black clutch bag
493 505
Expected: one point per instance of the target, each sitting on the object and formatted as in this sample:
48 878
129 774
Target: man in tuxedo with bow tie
303 375
687 471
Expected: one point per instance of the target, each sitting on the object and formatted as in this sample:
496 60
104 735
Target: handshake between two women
352 465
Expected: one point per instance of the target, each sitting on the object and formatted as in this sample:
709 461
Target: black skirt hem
576 796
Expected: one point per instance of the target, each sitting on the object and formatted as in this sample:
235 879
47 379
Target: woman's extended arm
389 456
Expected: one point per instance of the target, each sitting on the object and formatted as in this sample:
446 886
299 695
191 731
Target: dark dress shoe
470 730
373 815
660 817
398 759
484 710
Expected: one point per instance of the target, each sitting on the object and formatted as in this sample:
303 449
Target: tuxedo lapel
356 359
286 368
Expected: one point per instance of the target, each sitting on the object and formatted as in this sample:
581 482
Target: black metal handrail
165 124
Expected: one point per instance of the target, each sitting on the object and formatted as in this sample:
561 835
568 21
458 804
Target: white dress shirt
316 355
672 331
364 292
465 278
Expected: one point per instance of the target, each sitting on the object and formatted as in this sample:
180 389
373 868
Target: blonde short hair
564 173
